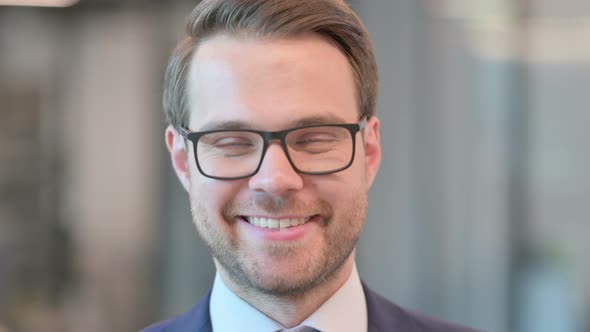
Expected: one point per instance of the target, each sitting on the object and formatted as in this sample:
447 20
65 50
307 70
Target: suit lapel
383 315
196 319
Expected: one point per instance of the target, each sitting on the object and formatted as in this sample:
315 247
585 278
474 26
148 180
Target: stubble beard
340 235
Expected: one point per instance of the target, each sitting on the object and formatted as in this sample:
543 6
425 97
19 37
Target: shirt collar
230 313
345 310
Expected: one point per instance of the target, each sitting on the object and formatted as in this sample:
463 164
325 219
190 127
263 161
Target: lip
292 233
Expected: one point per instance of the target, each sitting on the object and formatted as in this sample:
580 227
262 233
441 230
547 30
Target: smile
273 223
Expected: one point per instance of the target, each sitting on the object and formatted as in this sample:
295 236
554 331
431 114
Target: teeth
276 223
273 223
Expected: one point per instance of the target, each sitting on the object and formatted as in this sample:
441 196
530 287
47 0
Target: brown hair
332 19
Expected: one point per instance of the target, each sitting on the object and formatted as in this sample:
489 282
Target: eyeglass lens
238 153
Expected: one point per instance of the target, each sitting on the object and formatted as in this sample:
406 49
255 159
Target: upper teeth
276 223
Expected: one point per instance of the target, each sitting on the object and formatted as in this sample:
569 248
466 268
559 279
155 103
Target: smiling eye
315 139
229 142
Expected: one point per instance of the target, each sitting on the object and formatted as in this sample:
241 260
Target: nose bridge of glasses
270 136
273 135
279 137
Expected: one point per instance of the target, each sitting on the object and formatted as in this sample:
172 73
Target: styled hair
334 20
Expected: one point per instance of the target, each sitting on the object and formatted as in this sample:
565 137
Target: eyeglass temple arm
363 123
183 132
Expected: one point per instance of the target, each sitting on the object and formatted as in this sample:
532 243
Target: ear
178 155
372 148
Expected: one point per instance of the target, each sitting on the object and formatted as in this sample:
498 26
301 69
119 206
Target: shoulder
384 315
195 319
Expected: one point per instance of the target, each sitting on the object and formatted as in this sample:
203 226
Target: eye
228 139
228 142
318 140
315 138
318 135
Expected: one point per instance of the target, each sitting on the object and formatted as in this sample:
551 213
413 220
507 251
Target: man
273 134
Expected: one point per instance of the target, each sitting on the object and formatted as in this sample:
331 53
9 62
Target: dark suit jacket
383 316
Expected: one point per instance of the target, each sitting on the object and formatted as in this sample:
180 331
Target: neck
290 311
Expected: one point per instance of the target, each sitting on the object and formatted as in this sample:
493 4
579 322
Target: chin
278 285
289 277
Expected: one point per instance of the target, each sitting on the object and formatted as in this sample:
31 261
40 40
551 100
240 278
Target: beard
309 264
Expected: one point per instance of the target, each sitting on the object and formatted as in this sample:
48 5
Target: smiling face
277 232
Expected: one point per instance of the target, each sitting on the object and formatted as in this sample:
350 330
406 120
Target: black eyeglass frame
267 136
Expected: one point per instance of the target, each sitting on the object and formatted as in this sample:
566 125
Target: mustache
275 205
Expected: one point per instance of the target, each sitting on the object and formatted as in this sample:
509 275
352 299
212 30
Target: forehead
269 83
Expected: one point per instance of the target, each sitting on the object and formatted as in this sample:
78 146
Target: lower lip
273 234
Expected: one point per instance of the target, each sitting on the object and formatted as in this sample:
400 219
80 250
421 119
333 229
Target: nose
276 175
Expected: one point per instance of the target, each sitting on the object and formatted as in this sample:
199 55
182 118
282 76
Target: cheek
353 180
210 195
341 189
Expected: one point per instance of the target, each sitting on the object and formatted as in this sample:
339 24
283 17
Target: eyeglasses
312 150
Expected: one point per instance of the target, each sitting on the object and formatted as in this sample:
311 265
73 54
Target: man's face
272 85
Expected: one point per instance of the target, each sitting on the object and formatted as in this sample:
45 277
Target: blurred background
479 215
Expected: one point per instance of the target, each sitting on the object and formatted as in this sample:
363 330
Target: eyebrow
306 121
